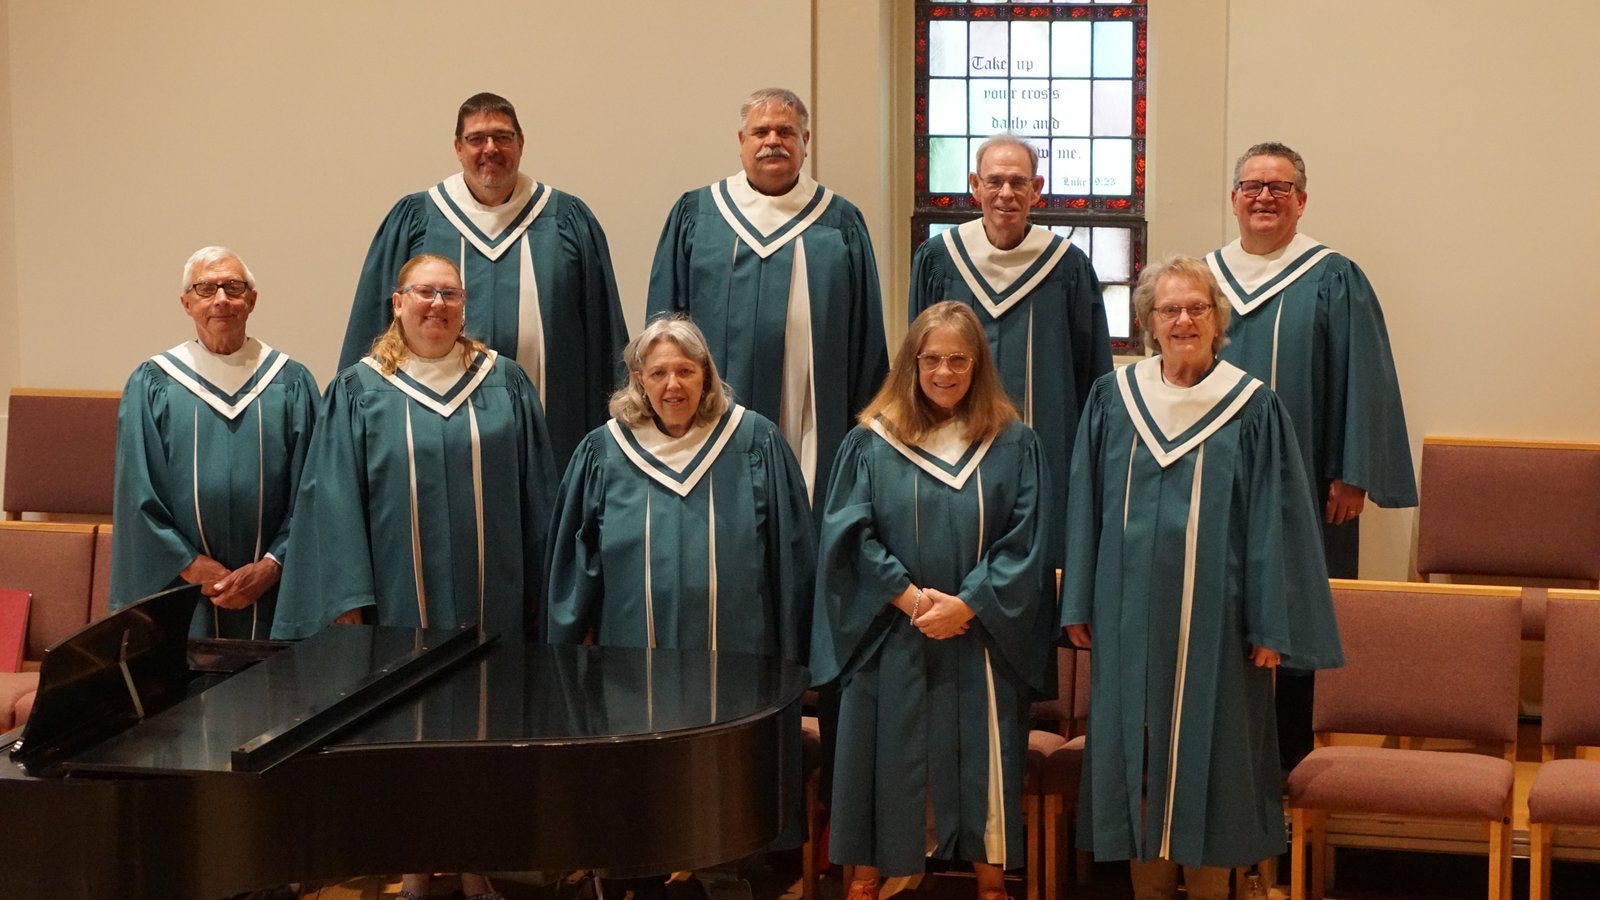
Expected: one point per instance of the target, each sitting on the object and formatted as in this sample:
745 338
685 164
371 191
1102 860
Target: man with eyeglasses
1038 299
1307 322
211 438
778 271
533 259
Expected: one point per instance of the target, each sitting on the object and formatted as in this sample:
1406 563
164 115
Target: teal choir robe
786 291
933 731
1041 309
1307 322
698 542
1190 537
540 290
426 496
209 456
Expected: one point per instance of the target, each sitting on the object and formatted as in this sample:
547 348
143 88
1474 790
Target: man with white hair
211 438
778 271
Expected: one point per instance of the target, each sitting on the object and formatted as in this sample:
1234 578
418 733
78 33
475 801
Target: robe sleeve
1090 335
148 550
605 332
868 359
790 541
329 567
1006 589
857 576
927 281
538 482
669 272
1287 604
1366 424
1085 491
300 420
397 240
577 582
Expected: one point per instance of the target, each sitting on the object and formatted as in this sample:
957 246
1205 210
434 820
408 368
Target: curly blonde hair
389 351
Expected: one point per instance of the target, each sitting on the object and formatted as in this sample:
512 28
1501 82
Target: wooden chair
52 561
1421 662
100 577
1055 760
61 449
1565 793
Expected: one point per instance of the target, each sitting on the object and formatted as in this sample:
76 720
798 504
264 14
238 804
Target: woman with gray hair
1194 564
682 522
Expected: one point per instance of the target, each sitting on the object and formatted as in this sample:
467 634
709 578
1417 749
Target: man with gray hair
1308 324
778 271
211 438
1038 299
533 259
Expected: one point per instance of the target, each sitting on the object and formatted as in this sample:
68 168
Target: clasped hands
939 616
235 589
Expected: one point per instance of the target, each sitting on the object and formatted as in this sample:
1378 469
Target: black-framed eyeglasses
1279 189
427 292
958 363
208 289
478 139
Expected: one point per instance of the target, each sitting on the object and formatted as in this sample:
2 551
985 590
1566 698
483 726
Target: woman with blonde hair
933 613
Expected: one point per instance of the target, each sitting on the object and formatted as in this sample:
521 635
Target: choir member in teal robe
778 271
211 438
1038 299
1193 568
935 615
701 539
683 523
426 497
1307 322
534 259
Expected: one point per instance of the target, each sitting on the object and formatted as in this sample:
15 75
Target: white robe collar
676 463
1249 280
491 229
945 453
228 383
442 384
766 223
1000 279
1173 420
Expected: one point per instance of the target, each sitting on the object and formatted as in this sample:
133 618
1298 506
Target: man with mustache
1039 302
1307 322
533 259
778 271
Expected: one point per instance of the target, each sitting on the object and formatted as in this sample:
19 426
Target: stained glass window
1069 79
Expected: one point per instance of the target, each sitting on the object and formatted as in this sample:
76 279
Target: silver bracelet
916 605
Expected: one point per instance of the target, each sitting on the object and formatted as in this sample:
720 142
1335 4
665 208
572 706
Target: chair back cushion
61 451
52 562
1571 713
1424 661
1509 509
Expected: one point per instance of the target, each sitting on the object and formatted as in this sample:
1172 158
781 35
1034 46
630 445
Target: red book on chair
13 628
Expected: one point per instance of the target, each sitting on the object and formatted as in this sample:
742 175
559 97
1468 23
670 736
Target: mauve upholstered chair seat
1063 771
14 686
1566 792
1040 745
1402 782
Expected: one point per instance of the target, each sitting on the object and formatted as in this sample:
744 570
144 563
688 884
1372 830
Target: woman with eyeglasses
1194 568
426 498
933 613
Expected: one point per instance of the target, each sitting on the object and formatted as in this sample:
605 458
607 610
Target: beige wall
139 132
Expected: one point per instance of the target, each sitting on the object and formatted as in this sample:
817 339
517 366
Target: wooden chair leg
1318 844
808 861
1031 816
1298 840
1052 847
1500 860
1539 838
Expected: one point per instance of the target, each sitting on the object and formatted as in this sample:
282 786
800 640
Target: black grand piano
370 750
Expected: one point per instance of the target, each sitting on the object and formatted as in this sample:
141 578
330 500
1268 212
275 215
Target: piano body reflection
374 750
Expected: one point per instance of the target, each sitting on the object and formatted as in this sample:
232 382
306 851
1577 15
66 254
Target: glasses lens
203 289
421 291
959 364
233 288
